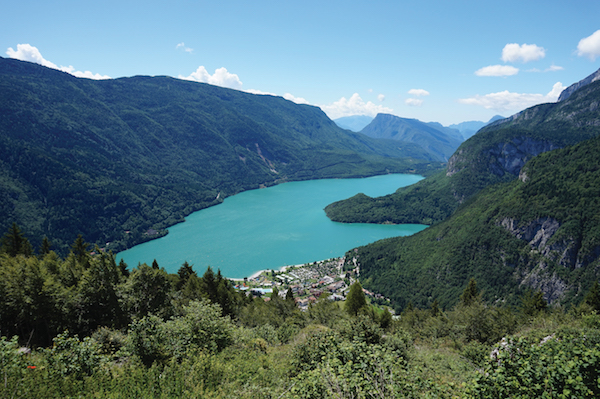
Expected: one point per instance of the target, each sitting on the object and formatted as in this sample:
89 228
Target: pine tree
123 268
592 298
289 296
435 308
14 243
355 300
533 303
80 249
45 247
471 294
184 273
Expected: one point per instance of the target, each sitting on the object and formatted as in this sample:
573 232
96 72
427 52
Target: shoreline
258 273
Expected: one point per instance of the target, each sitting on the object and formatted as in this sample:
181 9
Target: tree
592 298
185 272
79 248
355 300
385 319
123 268
533 303
435 308
45 247
471 294
14 243
289 296
147 290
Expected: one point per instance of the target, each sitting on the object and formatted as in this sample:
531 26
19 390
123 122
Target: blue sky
444 61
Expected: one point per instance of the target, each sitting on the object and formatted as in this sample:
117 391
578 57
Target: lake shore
258 273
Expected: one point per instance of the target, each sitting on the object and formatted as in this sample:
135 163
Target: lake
270 228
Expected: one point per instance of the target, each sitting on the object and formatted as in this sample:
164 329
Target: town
308 282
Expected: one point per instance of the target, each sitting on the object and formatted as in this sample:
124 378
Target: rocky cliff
566 93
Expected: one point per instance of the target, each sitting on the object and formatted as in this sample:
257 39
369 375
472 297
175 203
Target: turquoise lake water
270 228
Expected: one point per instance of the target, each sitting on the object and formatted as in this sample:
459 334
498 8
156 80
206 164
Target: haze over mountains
438 140
469 128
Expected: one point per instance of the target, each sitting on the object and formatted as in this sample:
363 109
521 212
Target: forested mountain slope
112 159
540 231
495 154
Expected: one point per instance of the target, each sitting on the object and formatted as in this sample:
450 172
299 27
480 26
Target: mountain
569 90
468 129
356 123
439 141
120 160
495 154
517 209
538 232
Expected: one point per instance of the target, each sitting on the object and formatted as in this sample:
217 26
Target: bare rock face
546 248
539 235
507 157
510 157
569 90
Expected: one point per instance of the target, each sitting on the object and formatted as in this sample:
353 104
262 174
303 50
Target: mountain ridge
439 141
114 159
495 154
540 231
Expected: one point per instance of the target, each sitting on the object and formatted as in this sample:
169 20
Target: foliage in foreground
186 345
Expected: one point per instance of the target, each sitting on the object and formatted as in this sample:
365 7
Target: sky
436 61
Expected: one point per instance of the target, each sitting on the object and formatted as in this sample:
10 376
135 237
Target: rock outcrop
584 82
507 157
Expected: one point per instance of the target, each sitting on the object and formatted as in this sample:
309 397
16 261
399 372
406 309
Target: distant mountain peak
584 82
356 123
439 141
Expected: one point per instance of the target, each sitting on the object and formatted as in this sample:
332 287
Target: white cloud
513 52
381 97
506 101
497 70
27 52
260 92
418 92
590 46
551 68
414 102
221 77
353 106
184 48
86 74
297 100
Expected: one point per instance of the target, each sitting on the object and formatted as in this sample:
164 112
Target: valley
498 297
270 228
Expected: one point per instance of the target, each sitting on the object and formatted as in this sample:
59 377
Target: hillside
540 232
113 159
437 140
495 154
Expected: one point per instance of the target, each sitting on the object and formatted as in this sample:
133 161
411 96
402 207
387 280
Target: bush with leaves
13 366
200 328
71 356
563 365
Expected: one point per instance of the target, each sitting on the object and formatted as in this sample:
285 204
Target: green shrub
73 357
563 365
